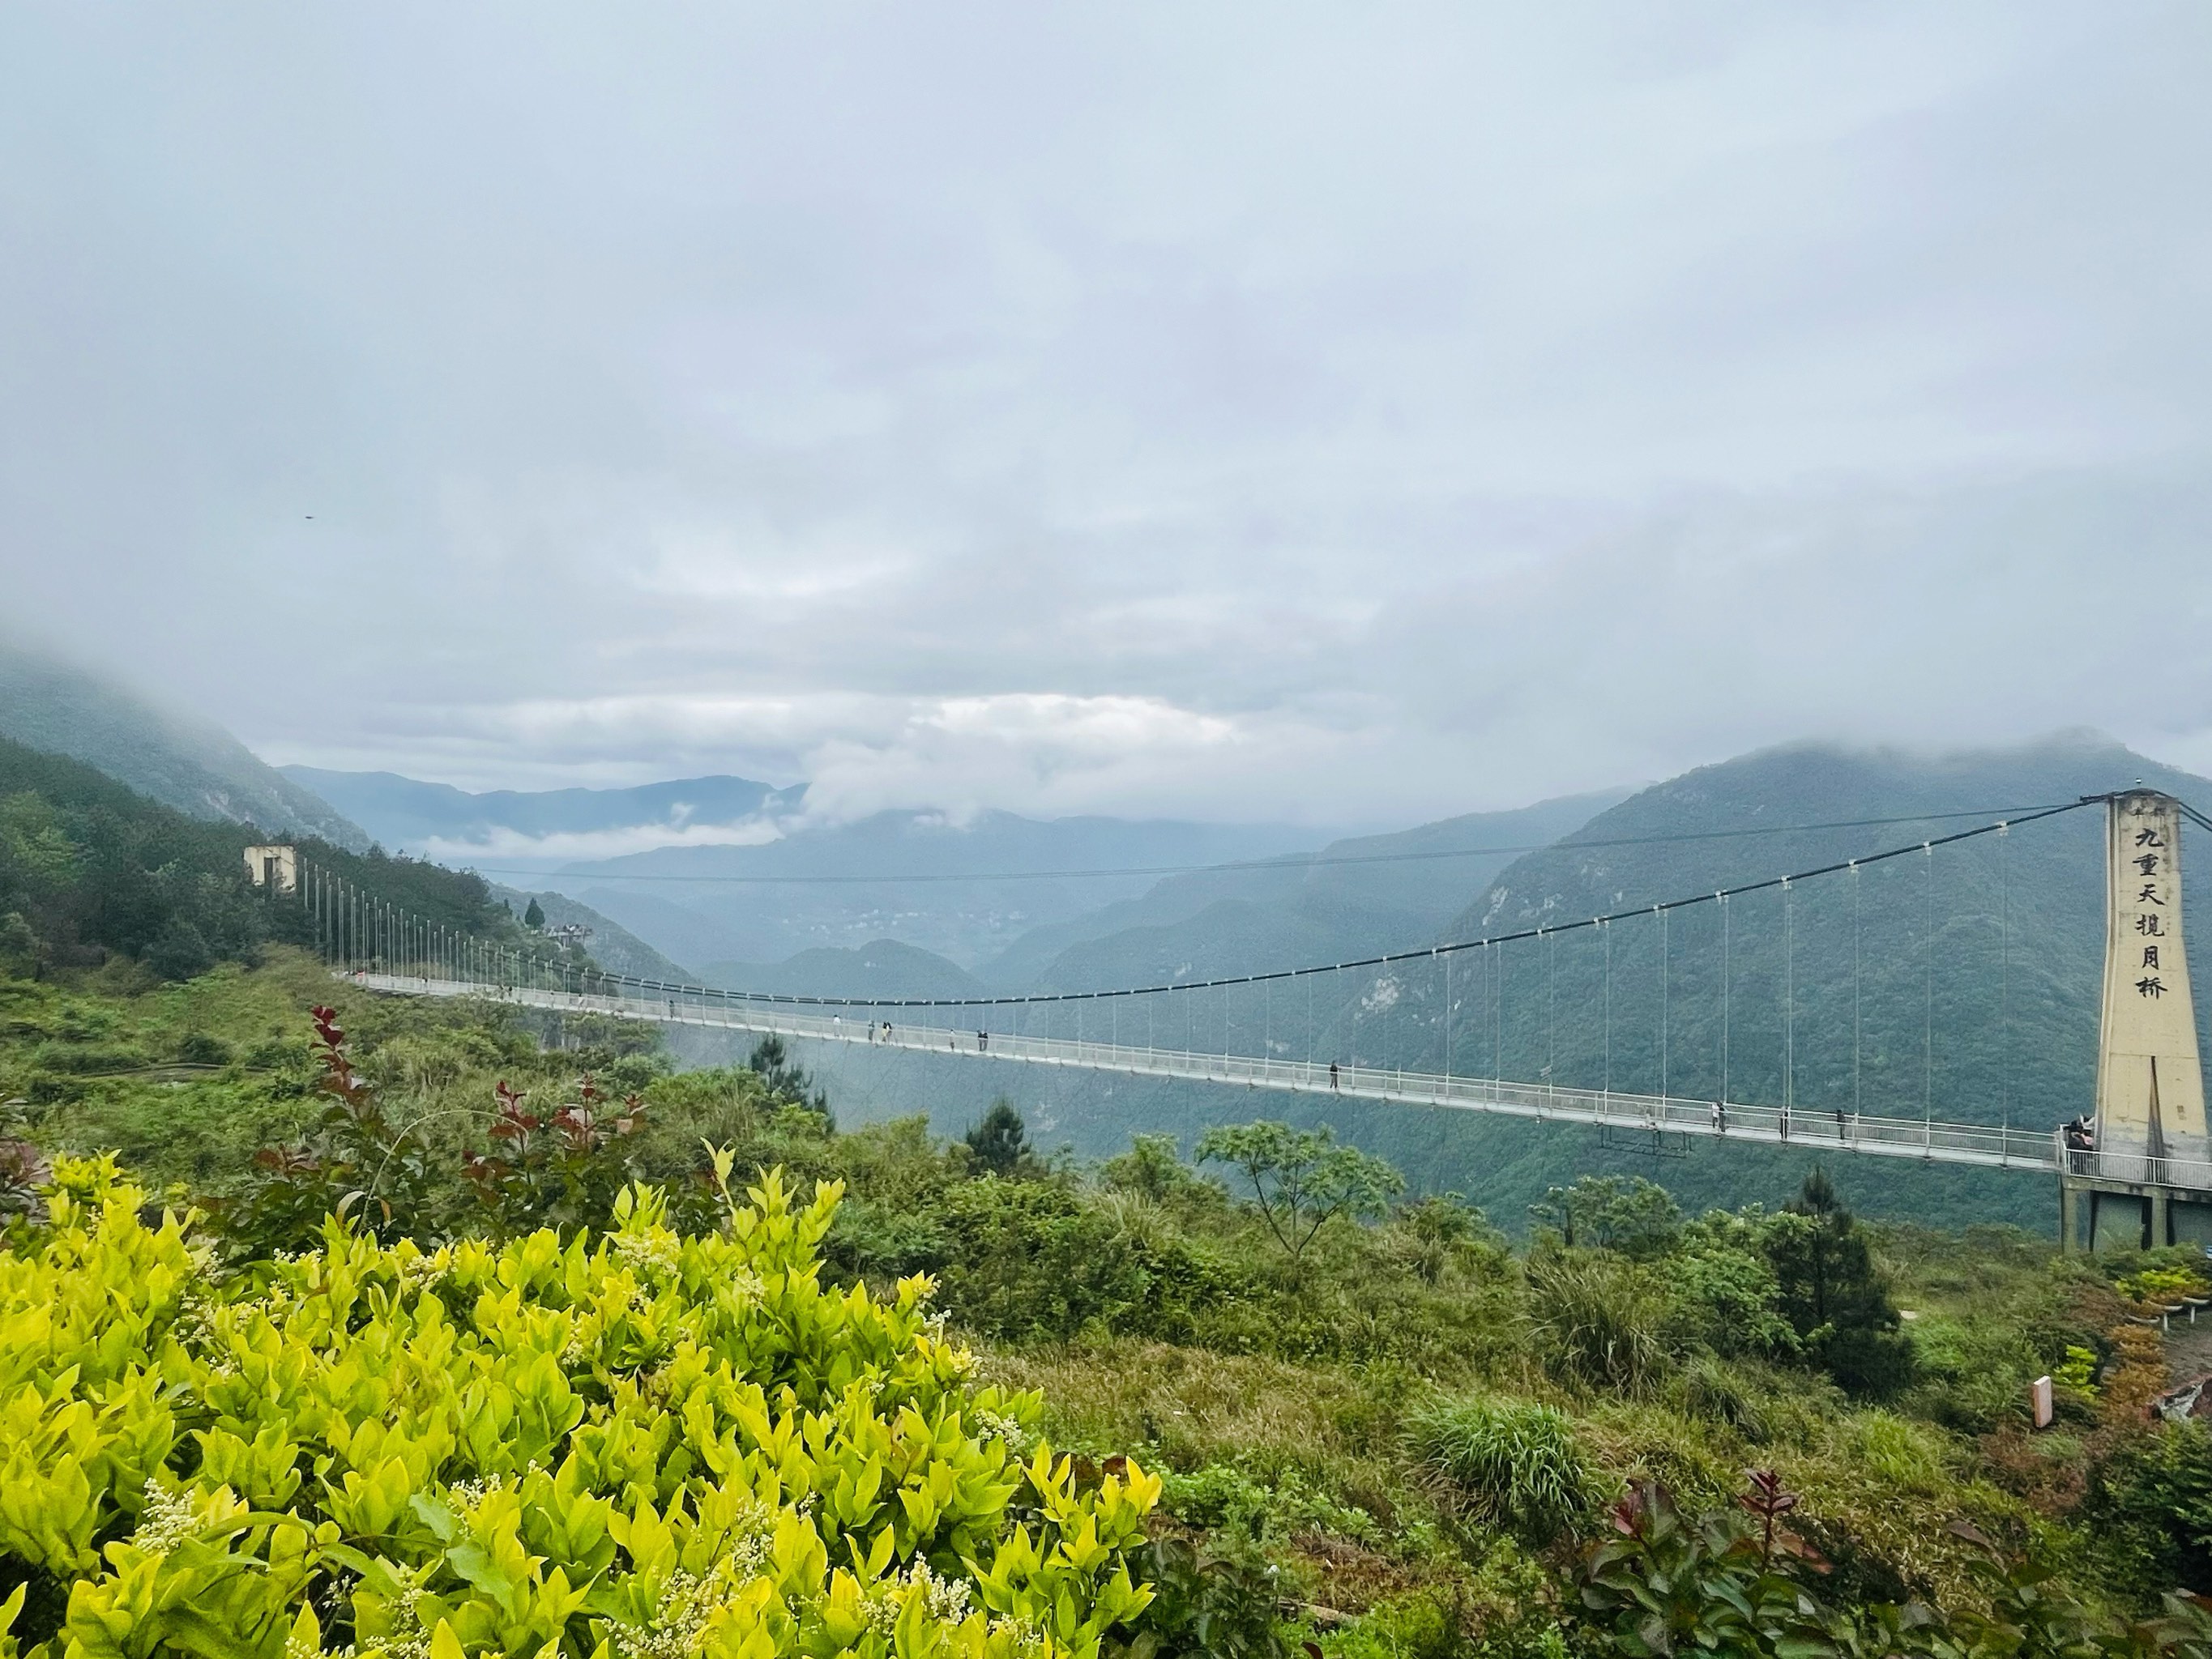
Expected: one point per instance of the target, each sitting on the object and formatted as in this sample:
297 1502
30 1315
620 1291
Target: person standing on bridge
1331 1074
1720 1119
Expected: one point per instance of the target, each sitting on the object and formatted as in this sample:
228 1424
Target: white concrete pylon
2150 1083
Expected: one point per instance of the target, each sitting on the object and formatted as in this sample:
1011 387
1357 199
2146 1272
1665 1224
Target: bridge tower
2142 1173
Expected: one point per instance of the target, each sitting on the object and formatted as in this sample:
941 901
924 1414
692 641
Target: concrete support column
2070 1219
2160 1232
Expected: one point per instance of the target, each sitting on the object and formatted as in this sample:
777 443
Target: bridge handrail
2131 1168
1949 1142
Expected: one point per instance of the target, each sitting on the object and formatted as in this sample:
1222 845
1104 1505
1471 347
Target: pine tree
1000 1142
1834 1295
786 1080
534 917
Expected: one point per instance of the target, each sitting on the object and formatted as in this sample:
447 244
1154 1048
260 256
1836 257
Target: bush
1512 1465
204 1048
1032 1258
1420 1627
1710 1387
999 1145
2151 1503
1733 1300
1836 1298
1205 1607
636 1443
179 952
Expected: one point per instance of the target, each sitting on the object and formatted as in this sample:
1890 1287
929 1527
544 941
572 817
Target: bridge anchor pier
2109 1212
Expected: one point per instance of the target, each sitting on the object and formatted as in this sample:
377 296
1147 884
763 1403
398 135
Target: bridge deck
1983 1145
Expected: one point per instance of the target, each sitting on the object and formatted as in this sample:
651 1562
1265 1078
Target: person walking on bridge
1331 1074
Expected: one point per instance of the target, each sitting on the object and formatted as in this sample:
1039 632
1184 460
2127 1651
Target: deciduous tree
1301 1178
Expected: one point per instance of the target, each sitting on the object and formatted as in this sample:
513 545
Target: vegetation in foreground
1378 1427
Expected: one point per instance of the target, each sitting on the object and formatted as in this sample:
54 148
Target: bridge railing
2132 1169
1989 1144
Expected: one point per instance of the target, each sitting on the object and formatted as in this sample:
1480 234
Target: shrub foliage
632 1443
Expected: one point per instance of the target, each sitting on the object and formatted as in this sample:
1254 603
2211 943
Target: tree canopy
1301 1179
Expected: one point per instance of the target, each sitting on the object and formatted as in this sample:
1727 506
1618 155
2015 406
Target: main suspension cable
1541 931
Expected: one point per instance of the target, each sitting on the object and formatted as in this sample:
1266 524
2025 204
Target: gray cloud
1241 413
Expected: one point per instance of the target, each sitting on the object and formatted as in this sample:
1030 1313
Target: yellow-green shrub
638 1444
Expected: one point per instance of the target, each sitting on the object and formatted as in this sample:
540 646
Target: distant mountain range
731 872
1964 982
1352 898
966 890
551 826
178 759
884 967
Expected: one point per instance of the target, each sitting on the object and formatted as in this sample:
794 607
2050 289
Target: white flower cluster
662 1251
687 1602
167 1521
944 1600
419 1273
997 1425
468 1496
194 1325
1028 1638
680 1617
409 1640
752 1537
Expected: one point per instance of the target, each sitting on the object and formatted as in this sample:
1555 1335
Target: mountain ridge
962 890
413 813
184 762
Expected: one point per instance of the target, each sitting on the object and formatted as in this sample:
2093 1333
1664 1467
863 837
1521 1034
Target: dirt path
2189 1347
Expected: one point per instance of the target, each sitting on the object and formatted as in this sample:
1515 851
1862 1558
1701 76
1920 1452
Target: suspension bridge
2136 1167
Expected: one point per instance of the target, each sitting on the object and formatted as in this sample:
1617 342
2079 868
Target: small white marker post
2039 1394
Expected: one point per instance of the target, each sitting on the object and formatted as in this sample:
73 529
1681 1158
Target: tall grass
1512 1465
1599 1320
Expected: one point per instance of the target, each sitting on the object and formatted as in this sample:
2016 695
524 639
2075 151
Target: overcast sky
1350 414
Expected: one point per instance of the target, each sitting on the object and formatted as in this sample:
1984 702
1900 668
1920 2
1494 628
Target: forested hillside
92 872
611 945
1353 897
183 763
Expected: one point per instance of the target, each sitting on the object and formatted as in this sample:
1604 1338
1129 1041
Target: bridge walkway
1986 1145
